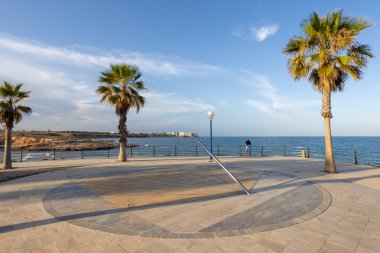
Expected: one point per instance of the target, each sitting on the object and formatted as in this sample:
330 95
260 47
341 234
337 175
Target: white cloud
36 114
272 102
256 33
263 32
239 34
149 63
63 83
164 103
261 106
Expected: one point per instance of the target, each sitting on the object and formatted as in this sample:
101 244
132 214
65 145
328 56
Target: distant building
187 134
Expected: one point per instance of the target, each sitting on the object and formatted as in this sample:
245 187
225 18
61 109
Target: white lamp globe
210 115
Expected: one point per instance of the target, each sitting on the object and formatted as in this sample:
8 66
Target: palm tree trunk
326 114
7 163
123 136
122 154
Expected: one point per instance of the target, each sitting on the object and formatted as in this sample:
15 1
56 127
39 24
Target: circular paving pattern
184 202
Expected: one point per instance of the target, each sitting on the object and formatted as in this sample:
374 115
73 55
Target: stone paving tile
93 248
370 242
160 247
257 248
205 246
134 245
230 247
269 212
359 222
343 241
84 201
331 247
48 248
314 226
183 244
114 249
6 249
348 229
361 249
67 245
351 222
303 246
272 245
25 245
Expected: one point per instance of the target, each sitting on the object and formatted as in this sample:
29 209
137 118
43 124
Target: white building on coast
187 134
183 134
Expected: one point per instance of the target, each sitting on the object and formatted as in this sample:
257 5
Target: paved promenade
190 205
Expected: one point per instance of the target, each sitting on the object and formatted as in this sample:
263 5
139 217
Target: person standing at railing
248 147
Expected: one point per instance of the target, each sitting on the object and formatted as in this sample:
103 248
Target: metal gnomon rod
223 167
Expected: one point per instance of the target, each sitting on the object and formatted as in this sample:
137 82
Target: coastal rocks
71 144
20 141
60 141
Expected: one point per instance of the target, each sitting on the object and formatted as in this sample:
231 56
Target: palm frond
4 105
299 67
11 112
328 51
139 85
360 50
24 109
296 45
122 86
102 89
17 117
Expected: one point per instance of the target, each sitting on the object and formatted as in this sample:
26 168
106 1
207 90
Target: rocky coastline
63 140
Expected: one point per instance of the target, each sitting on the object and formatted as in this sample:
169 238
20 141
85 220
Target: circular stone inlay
196 202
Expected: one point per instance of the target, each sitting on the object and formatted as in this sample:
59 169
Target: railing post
175 150
131 151
196 150
284 151
154 150
262 150
22 151
308 152
218 151
82 154
108 153
54 153
355 157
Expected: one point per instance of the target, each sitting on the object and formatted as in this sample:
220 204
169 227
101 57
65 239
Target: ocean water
367 148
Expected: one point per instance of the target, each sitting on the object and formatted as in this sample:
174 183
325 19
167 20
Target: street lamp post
210 115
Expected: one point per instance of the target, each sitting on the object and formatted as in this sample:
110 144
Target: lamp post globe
210 115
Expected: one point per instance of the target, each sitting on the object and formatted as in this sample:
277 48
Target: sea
365 149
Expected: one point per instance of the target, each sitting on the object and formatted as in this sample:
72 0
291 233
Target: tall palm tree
11 113
327 54
121 91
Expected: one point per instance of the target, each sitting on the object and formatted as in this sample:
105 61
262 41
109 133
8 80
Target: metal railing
358 156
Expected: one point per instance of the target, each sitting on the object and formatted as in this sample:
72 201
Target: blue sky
195 56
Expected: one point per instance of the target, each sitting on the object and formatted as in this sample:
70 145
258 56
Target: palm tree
11 113
327 54
122 92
